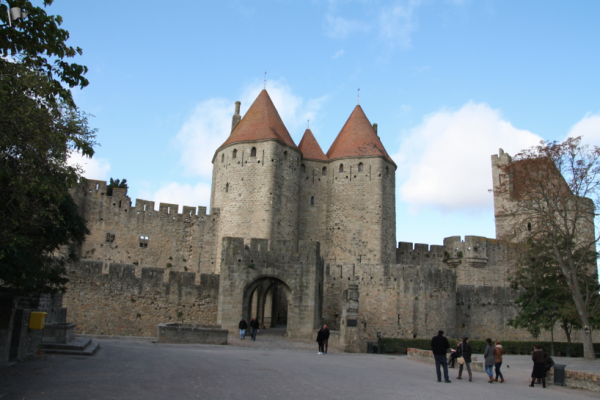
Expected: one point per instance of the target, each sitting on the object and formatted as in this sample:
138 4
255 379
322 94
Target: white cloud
293 109
209 125
202 133
181 194
338 54
340 28
444 163
396 23
93 168
589 128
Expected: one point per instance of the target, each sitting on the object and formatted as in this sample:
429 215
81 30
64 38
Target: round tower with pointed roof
314 191
255 177
361 223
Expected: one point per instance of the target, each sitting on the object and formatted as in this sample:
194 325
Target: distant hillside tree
116 183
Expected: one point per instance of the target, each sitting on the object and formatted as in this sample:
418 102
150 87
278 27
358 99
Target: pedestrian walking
242 327
465 358
539 365
320 340
254 328
326 334
488 355
439 345
498 351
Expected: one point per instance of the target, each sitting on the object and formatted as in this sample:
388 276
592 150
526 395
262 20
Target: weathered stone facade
112 300
291 231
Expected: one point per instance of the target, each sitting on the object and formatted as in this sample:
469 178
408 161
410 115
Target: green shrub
400 346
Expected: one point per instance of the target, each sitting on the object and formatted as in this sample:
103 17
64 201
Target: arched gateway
254 277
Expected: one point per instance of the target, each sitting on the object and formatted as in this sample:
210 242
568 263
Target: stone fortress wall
116 300
296 267
140 235
308 228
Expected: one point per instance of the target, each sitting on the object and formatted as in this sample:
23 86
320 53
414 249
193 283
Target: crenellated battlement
151 279
123 232
419 254
95 189
263 252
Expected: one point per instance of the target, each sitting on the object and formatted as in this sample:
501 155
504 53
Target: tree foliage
116 183
545 297
40 126
39 43
554 193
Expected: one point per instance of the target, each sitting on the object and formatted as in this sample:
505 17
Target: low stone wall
427 356
580 380
191 333
113 300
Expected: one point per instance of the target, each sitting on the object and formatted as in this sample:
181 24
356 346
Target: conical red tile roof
261 121
357 139
310 147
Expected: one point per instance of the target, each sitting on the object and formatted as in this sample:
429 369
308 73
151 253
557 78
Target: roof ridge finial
308 124
265 81
358 97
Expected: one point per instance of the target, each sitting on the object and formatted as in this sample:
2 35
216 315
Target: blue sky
448 82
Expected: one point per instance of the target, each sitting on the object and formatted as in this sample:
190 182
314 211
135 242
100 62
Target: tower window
387 170
227 188
253 152
529 226
222 158
302 168
360 167
285 155
341 168
144 241
312 200
234 155
324 171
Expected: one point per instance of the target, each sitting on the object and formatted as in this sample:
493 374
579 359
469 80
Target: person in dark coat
464 351
242 327
254 328
539 357
320 340
326 336
439 345
453 355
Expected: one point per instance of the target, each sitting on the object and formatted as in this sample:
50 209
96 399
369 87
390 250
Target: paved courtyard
126 369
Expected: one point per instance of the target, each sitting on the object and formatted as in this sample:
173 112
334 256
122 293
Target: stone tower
361 221
314 191
255 181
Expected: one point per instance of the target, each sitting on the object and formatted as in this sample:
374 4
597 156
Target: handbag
461 359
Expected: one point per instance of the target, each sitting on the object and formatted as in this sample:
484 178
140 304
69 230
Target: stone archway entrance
252 276
267 299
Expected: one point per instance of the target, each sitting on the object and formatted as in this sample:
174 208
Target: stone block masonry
191 333
114 301
126 234
257 267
